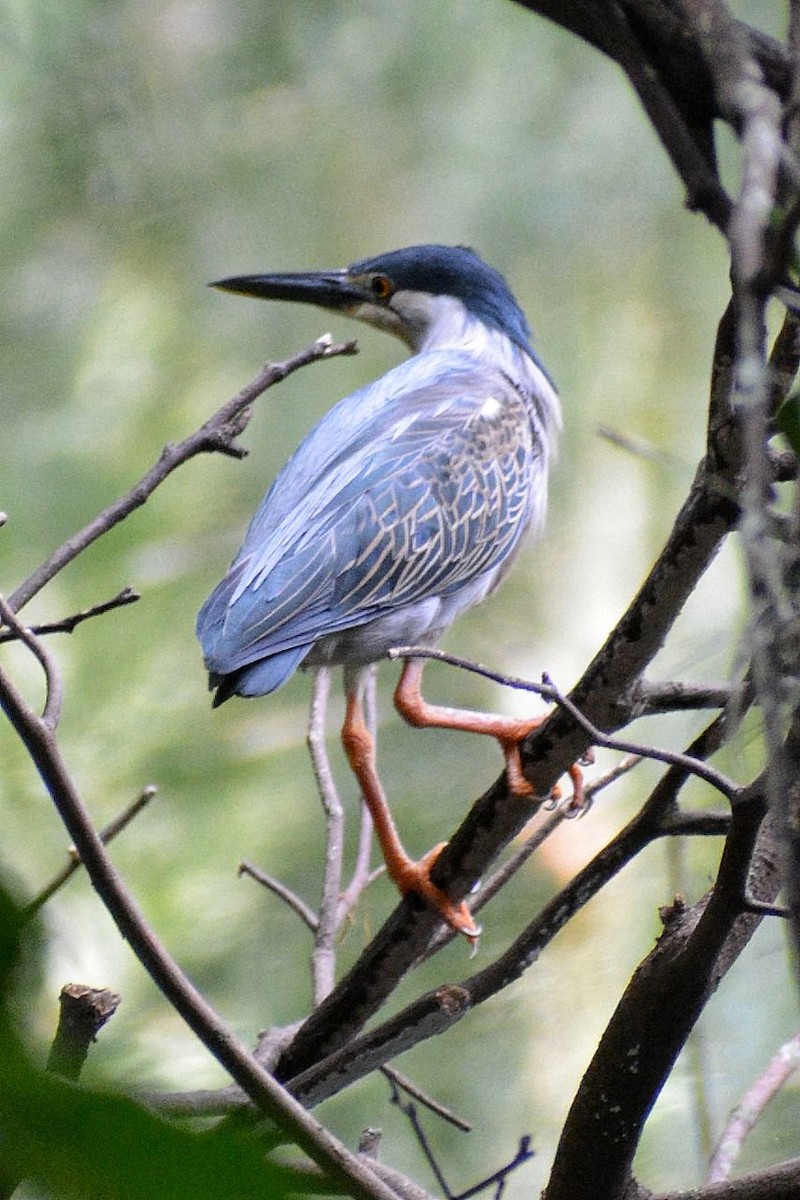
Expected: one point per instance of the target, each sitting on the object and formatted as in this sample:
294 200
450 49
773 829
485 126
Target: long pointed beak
328 289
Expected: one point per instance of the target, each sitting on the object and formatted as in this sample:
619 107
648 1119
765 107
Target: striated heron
402 508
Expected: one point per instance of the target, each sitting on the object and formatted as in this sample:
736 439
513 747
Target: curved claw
415 877
520 786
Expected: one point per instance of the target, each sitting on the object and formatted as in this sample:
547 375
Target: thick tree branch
655 1016
781 1182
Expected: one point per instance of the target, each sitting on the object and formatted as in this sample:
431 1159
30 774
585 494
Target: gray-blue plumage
406 503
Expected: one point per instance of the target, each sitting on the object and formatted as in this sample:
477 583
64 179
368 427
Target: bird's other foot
411 876
519 785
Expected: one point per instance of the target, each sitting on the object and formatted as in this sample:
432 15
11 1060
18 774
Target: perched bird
401 509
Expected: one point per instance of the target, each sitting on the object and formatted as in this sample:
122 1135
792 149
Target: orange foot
411 876
510 732
518 785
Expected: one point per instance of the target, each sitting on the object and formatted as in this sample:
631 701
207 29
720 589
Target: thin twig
549 691
297 905
217 435
640 448
362 876
750 1108
107 834
409 1111
403 1083
68 624
524 1154
323 958
694 766
54 684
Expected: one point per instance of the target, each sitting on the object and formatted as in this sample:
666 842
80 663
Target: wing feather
407 489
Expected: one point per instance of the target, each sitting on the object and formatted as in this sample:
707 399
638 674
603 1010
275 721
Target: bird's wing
408 489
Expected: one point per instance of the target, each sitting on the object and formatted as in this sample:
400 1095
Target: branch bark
271 1099
655 1016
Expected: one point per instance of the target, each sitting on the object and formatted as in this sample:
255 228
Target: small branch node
369 1141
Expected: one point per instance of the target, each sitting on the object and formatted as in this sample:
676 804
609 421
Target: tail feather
258 678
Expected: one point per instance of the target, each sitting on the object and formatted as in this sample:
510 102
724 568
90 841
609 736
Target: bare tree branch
774 1183
83 1011
750 1108
51 713
297 905
407 1085
38 738
106 835
217 435
323 959
68 624
653 1020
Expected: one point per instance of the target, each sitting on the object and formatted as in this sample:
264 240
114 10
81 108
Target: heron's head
428 296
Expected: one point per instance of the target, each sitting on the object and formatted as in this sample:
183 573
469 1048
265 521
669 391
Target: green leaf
78 1143
75 1142
788 419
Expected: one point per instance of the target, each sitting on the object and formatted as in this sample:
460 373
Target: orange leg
509 731
408 875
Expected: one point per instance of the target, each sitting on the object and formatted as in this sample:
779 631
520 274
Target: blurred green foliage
75 1143
150 147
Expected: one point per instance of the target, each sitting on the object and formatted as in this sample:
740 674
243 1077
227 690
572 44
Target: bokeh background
150 147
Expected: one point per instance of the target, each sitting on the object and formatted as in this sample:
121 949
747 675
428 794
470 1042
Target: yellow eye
381 287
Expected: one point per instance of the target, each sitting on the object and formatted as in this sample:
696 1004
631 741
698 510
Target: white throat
425 322
445 323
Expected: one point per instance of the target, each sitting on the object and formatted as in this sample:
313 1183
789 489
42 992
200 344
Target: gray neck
445 323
